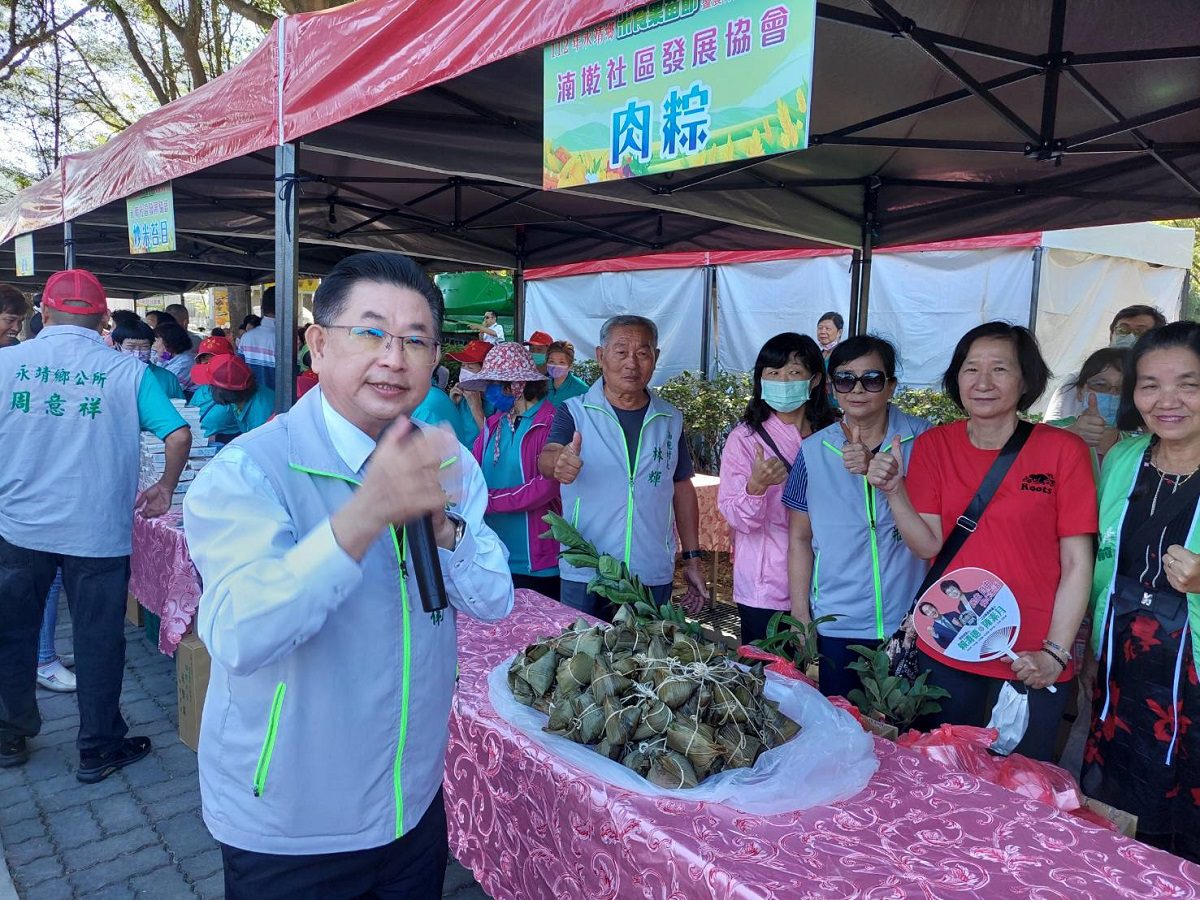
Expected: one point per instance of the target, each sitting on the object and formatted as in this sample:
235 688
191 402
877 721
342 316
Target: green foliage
710 411
1191 302
614 582
891 698
927 403
792 639
453 365
586 369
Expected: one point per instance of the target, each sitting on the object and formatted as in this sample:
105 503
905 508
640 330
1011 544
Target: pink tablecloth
530 827
162 576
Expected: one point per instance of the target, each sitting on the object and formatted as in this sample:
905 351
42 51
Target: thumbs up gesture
764 472
856 456
886 470
568 463
1090 425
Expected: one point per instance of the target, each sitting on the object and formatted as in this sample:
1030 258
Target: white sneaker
54 677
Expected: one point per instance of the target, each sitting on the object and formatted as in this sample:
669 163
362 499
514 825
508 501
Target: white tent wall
756 301
574 308
1080 293
923 302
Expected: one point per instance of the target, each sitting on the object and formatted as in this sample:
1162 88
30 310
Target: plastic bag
831 759
776 664
964 748
1010 718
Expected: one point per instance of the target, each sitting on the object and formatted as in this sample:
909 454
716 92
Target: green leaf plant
613 581
890 698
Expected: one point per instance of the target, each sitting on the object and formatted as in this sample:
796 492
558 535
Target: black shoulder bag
901 647
762 433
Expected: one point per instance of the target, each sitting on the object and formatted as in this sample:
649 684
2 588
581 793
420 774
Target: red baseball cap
540 338
474 352
225 371
215 346
75 291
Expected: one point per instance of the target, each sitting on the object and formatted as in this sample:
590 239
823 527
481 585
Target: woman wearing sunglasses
844 558
789 402
1035 534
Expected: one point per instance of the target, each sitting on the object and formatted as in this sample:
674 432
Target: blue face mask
539 359
499 400
785 396
1106 405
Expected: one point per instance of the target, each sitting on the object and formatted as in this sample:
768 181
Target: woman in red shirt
1036 534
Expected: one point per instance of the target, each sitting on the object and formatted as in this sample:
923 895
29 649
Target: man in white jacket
323 741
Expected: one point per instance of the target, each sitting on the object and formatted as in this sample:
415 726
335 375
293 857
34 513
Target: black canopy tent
929 122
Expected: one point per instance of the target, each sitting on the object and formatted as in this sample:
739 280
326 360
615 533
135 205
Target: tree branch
156 86
259 17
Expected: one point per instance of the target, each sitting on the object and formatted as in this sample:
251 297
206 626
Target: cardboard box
133 611
192 666
1126 822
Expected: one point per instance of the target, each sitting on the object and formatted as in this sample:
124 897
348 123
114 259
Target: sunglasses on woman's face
873 381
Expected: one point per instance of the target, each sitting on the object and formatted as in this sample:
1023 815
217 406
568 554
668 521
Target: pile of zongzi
670 706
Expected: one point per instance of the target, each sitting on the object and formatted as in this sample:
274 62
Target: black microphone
423 557
427 568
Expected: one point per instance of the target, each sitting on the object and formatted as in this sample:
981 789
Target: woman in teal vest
560 357
1143 754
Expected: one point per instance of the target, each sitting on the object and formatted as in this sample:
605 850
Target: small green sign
677 84
24 249
151 219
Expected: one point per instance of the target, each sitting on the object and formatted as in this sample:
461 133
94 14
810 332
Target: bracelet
691 554
1062 663
1050 645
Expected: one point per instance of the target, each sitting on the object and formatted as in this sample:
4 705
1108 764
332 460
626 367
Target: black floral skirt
1125 762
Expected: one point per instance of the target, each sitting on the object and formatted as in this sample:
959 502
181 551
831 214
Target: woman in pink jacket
789 401
507 450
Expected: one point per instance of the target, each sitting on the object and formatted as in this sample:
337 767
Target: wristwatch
691 554
460 529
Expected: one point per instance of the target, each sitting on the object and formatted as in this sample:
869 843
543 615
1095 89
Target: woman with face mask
507 450
560 356
135 337
172 349
843 556
1097 393
788 403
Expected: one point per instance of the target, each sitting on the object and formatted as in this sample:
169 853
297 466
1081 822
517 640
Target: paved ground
136 834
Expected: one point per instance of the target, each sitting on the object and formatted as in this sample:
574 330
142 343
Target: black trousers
412 867
96 589
973 696
546 585
754 622
836 679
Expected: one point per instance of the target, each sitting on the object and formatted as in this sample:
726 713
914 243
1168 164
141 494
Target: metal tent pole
1036 288
706 321
855 275
68 245
287 262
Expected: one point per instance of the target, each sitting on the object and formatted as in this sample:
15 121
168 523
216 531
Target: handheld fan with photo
969 615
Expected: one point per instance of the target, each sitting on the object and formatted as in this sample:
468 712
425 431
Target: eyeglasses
368 339
1139 330
873 381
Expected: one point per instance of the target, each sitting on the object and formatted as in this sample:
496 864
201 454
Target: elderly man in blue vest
620 433
323 741
71 410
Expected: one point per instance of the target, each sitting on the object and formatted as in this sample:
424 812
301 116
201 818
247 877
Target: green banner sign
677 84
150 216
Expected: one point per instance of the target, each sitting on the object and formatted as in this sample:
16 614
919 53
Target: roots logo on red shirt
1038 482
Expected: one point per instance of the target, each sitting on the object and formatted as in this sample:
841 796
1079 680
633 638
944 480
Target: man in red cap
71 410
471 408
539 347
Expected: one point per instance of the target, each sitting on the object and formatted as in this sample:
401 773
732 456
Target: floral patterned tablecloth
531 827
714 530
162 577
